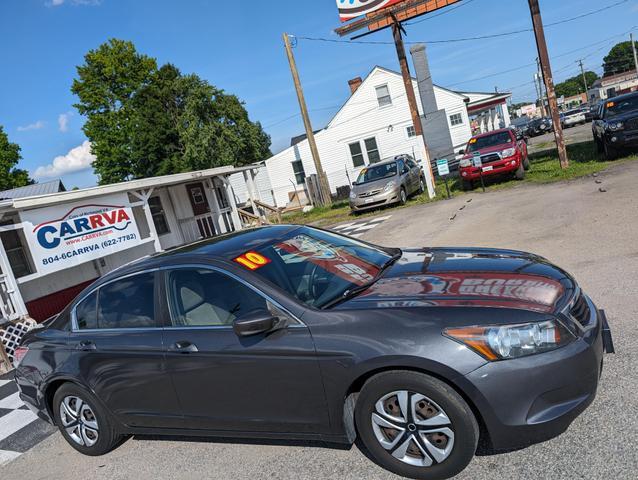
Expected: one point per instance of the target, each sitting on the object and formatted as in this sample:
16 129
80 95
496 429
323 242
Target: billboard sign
349 9
60 237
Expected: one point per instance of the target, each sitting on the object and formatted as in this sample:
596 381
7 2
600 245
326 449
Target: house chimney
355 83
424 78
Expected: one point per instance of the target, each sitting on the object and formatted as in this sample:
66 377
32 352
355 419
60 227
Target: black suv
616 125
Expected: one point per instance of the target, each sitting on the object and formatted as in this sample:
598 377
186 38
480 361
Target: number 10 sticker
252 260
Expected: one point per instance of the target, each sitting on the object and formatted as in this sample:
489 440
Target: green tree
107 82
574 85
10 176
620 59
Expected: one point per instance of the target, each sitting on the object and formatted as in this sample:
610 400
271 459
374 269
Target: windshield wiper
354 291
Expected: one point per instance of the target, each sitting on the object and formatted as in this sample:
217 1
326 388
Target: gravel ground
588 232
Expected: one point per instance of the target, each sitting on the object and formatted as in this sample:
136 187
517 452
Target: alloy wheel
413 428
79 421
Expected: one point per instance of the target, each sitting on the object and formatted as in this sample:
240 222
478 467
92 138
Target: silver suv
387 182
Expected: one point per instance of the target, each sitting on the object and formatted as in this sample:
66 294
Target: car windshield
620 106
377 172
489 141
318 267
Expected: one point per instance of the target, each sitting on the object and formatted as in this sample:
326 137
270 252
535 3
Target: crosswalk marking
14 421
4 382
6 456
12 402
357 229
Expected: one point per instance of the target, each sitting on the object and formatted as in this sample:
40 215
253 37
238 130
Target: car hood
376 185
623 117
457 277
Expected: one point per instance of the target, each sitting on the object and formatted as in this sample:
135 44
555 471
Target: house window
372 149
357 154
159 216
456 119
383 96
222 199
300 173
411 131
16 253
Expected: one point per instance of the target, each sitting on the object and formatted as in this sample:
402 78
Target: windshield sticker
252 260
472 140
610 104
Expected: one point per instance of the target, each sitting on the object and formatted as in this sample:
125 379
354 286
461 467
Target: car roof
493 132
621 97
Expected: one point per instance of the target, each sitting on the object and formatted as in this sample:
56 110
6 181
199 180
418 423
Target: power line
443 12
463 39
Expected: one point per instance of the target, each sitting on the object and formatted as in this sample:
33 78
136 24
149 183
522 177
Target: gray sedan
388 182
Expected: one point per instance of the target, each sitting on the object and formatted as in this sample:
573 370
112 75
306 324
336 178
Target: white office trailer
55 242
375 123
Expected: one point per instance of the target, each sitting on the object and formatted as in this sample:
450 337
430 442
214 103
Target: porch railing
197 228
8 310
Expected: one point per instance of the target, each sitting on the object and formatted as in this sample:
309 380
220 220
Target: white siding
361 118
262 183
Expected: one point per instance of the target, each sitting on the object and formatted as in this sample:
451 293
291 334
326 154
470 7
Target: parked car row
615 125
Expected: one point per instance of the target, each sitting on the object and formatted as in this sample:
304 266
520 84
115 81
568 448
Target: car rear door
263 383
118 351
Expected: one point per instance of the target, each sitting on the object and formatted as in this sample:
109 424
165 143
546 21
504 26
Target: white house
375 123
613 85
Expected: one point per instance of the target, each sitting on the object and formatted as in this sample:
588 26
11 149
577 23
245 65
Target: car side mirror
254 323
461 152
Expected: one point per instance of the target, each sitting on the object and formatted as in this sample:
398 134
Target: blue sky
237 46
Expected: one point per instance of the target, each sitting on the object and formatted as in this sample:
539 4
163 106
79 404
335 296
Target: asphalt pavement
577 134
590 233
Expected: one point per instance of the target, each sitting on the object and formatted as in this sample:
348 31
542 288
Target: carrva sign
64 236
349 9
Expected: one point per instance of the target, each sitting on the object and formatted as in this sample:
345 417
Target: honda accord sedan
298 333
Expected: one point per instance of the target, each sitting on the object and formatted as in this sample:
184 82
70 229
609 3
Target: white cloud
63 121
32 126
78 158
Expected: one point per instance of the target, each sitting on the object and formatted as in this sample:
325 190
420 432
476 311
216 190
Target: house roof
40 200
44 188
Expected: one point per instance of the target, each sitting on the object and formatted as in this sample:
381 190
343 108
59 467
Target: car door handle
86 345
184 347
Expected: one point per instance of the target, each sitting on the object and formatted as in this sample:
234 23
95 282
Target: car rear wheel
416 426
83 422
403 196
421 185
526 164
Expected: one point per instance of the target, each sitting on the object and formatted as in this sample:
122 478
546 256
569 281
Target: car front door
262 383
415 174
118 352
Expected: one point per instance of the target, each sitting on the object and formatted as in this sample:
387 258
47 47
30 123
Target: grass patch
545 169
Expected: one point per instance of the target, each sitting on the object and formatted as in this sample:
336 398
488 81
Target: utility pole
546 69
582 70
414 110
324 186
541 95
633 47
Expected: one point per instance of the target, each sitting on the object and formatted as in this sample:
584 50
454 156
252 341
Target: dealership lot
577 134
590 233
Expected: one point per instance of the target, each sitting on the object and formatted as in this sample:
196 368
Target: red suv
500 151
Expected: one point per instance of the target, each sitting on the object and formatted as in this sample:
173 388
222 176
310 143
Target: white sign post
63 236
443 167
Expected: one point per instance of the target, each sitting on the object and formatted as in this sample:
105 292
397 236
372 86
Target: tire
520 172
599 145
610 152
96 424
467 185
421 186
526 164
452 434
403 196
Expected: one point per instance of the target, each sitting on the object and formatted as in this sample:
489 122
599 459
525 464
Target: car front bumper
360 204
622 139
506 165
532 399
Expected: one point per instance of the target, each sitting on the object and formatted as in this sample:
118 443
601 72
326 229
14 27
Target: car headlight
508 152
466 162
353 195
389 186
502 342
615 126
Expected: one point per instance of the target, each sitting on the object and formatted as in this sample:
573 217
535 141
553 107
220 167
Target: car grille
580 310
631 124
371 193
490 157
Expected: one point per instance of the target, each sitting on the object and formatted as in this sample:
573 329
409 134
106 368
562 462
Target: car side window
402 168
411 164
86 312
128 303
202 298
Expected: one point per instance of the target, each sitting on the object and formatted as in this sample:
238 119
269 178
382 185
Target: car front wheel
415 425
83 422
